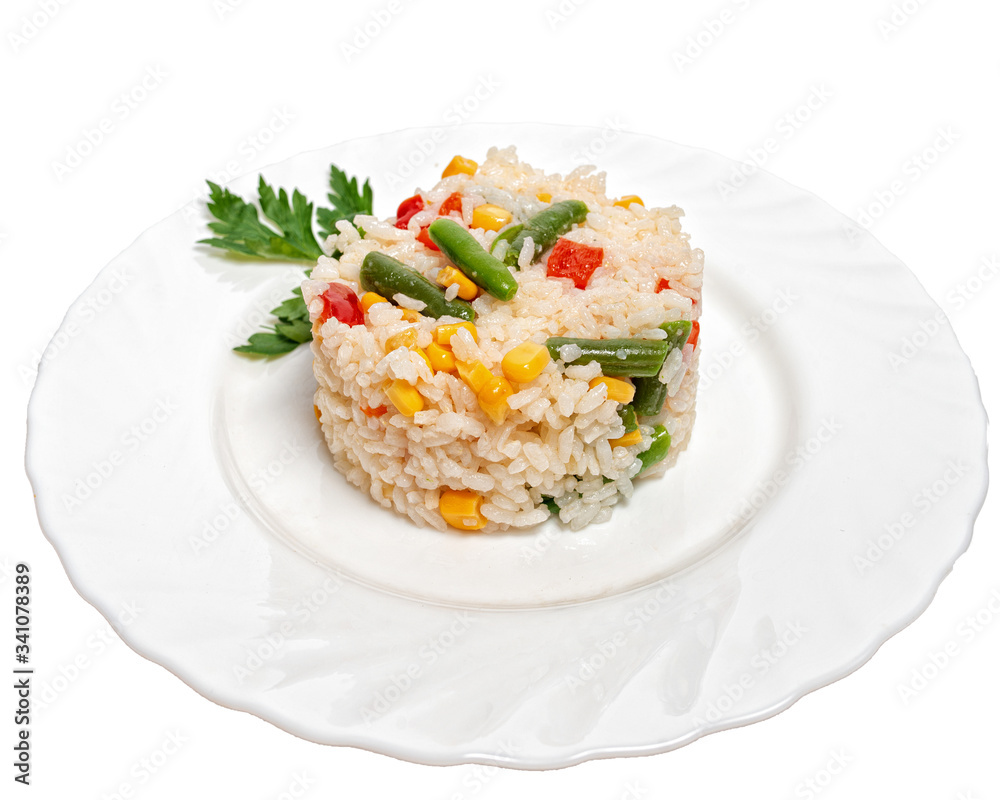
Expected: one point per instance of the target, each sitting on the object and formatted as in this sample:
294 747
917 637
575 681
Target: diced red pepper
574 260
693 336
374 412
425 238
341 303
407 209
452 203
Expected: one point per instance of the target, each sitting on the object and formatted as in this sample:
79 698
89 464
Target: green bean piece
627 413
506 236
468 255
545 227
550 504
678 332
657 450
387 276
617 357
650 395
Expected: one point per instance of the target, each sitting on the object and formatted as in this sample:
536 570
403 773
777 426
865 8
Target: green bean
545 227
469 256
678 332
657 450
627 413
617 357
387 276
650 395
506 236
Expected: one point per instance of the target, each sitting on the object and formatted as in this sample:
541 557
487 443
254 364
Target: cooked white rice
554 442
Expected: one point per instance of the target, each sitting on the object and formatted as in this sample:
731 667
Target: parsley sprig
287 235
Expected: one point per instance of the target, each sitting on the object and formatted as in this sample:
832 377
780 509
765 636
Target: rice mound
554 442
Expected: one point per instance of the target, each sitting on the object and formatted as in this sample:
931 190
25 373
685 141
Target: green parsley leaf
267 344
292 309
347 201
298 331
240 230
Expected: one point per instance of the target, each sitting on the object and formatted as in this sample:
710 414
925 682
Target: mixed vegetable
630 368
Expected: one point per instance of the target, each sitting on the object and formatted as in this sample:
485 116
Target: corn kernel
449 276
525 362
460 165
628 199
405 398
545 197
443 333
618 390
318 413
493 398
629 439
476 375
461 509
368 299
490 217
405 338
425 357
409 315
442 359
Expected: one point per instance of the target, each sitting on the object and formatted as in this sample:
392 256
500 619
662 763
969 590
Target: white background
218 74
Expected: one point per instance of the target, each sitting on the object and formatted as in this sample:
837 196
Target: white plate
836 468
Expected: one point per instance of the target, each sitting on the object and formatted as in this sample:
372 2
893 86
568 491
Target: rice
556 441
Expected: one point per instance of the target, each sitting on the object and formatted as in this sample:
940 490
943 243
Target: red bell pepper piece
575 261
407 209
340 302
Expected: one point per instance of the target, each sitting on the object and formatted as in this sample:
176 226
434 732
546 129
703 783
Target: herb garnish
289 236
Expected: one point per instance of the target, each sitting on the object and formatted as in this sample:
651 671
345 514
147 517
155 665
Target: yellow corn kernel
443 333
405 397
493 398
318 413
545 197
405 338
490 217
476 375
525 362
425 357
368 299
628 199
449 276
442 359
409 315
461 509
460 165
618 390
629 439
